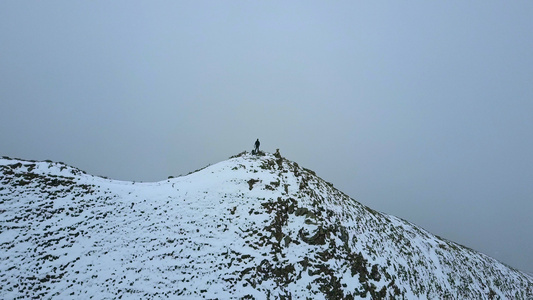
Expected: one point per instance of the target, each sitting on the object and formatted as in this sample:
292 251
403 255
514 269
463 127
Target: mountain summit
251 227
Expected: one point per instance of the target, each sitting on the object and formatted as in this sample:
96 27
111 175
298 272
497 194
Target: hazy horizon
420 110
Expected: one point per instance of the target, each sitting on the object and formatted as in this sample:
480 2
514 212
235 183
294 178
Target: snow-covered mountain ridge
251 227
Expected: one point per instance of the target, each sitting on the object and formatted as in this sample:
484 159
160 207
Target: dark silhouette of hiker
257 143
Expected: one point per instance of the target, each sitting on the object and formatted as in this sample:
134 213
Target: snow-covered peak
254 227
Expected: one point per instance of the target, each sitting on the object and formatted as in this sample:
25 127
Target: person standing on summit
257 143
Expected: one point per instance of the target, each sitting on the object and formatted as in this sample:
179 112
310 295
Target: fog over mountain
417 109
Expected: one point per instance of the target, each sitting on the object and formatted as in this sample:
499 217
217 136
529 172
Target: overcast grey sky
420 109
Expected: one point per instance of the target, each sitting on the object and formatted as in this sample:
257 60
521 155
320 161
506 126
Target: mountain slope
249 227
